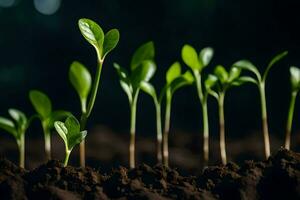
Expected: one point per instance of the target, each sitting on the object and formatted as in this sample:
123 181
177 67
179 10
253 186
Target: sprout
217 85
174 81
47 116
197 64
79 75
260 81
17 128
71 134
142 70
295 87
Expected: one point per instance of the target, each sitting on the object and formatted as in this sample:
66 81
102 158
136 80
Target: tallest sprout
260 81
103 44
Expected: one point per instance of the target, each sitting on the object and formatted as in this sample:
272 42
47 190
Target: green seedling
217 85
295 87
79 75
17 128
43 106
71 134
142 70
174 81
197 63
260 81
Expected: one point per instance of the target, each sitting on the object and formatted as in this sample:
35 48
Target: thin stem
132 131
85 115
21 145
264 119
47 138
290 120
159 131
222 128
68 152
166 130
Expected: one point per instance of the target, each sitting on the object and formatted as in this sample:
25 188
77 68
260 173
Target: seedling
260 81
71 134
43 106
79 75
295 87
17 128
142 70
217 85
174 81
197 64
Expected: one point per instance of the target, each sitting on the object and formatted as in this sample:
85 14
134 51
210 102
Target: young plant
79 75
142 70
17 128
260 81
46 115
295 87
217 85
71 134
197 63
174 81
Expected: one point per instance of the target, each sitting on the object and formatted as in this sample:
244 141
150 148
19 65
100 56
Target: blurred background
39 39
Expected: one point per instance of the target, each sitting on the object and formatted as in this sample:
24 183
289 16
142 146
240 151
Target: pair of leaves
18 126
247 65
295 78
81 80
43 106
70 132
193 60
93 33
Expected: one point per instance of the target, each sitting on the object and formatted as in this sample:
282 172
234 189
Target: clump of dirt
276 178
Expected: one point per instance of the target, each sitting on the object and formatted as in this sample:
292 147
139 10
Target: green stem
68 152
166 130
158 131
290 120
132 130
47 140
222 128
85 115
21 145
264 119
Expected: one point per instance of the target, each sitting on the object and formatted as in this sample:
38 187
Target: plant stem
167 129
264 119
21 145
68 152
159 131
132 130
290 120
47 137
85 115
222 128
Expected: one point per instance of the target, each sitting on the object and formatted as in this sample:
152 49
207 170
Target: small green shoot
17 128
47 116
260 81
197 63
142 70
295 87
217 85
79 75
71 134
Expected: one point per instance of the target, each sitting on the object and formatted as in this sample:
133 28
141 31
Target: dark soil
276 178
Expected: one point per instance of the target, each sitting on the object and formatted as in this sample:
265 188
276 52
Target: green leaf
247 65
76 139
41 103
190 57
234 73
93 33
123 74
210 81
111 40
19 117
62 131
221 73
72 125
124 81
276 59
173 72
206 55
144 72
295 78
8 126
58 115
149 89
181 81
245 79
144 52
81 80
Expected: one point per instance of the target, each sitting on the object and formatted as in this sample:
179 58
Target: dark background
37 49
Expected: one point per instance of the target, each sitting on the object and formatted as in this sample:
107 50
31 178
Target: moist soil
276 178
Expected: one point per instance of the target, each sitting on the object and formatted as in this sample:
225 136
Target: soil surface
276 178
